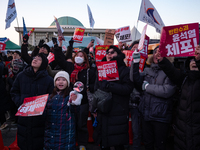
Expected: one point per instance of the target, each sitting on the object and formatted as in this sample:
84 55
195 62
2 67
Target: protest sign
33 106
109 37
51 57
144 51
10 73
107 70
129 59
100 52
2 46
123 34
78 35
142 38
179 40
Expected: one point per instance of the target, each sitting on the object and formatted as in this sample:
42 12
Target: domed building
67 23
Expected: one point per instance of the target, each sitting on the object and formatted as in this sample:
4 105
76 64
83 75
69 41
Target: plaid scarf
77 69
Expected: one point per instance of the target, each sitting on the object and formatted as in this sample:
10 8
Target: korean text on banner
33 106
144 51
51 57
107 70
142 63
2 46
149 14
141 43
11 13
78 35
100 52
123 34
179 40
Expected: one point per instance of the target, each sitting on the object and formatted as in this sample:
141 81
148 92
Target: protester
187 131
4 104
156 103
32 81
60 117
134 101
112 127
41 48
77 70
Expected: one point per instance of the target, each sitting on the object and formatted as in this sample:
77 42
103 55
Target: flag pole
136 30
19 31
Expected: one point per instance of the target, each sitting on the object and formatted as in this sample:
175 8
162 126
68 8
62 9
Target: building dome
67 21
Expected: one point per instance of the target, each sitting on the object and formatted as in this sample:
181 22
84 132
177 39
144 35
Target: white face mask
79 60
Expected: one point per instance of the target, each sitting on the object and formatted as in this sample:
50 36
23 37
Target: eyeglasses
37 58
111 52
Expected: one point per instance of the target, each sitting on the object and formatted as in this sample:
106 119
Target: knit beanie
63 74
44 64
47 47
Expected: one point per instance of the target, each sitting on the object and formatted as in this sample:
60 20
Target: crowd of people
148 96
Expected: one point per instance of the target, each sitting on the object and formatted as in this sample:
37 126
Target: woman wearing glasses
112 127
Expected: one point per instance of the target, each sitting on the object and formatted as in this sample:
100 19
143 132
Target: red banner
179 40
78 35
128 58
100 52
2 46
33 106
50 57
144 51
142 63
107 70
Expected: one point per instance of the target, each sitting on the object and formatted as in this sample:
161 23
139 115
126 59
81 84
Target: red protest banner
107 70
100 52
128 58
50 57
142 38
144 51
2 46
179 40
78 35
142 63
33 106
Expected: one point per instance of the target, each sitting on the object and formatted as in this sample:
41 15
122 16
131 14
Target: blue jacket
60 124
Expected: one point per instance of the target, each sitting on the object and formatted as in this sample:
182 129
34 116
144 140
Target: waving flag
59 28
91 19
11 13
149 14
24 27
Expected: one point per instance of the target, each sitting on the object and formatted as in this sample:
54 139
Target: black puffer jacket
82 75
30 132
187 129
112 128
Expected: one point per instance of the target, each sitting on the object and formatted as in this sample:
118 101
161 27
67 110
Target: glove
104 85
41 43
54 40
144 85
78 99
25 38
136 57
95 122
71 42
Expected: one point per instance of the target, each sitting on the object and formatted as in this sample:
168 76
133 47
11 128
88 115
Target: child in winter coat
60 115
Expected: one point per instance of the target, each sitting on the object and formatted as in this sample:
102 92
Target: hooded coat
112 127
30 134
156 103
187 124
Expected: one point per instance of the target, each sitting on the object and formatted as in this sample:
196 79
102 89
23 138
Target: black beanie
44 64
114 48
47 47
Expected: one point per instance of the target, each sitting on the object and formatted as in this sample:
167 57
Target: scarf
77 69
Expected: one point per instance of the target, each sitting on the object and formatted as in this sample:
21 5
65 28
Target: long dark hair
64 92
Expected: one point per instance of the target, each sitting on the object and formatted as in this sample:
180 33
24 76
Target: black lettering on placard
117 35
